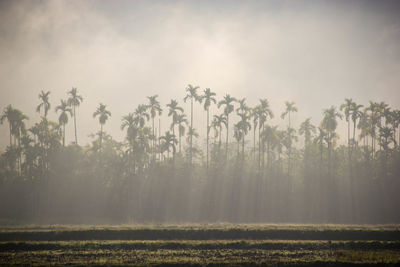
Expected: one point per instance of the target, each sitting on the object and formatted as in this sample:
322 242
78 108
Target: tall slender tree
209 98
193 96
74 101
329 123
18 130
346 107
264 112
45 104
154 106
103 115
269 136
9 115
169 141
307 129
356 114
141 115
217 123
290 108
255 115
228 109
128 121
173 111
243 126
180 120
63 118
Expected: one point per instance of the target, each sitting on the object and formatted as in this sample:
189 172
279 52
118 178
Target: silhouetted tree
74 101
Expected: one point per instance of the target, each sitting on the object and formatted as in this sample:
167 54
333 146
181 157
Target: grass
200 245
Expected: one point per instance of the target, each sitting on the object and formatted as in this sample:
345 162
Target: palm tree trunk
243 149
159 134
259 148
101 140
154 138
76 136
173 132
254 142
208 114
348 132
10 134
180 139
289 154
220 139
191 126
227 137
268 155
64 135
262 153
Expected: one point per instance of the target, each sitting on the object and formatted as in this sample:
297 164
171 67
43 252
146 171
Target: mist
315 53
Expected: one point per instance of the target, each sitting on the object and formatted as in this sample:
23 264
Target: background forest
243 170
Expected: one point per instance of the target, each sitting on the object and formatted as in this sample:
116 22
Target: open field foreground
284 245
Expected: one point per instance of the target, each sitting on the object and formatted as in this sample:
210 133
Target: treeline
259 176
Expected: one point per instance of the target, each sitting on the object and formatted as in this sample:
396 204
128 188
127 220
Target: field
276 245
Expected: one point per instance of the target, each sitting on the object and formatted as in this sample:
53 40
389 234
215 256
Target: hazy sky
315 53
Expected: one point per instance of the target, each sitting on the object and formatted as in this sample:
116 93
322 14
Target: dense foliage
261 175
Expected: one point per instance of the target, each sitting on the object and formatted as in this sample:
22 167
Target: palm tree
356 113
374 119
255 115
244 126
45 104
173 111
180 120
154 106
128 121
264 112
8 114
169 141
18 131
395 122
63 118
243 108
103 114
289 109
289 136
269 136
192 133
217 123
385 137
74 101
193 96
383 110
306 129
320 140
237 134
347 107
141 115
228 103
208 100
329 123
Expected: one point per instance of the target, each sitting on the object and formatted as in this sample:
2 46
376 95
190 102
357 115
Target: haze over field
315 53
